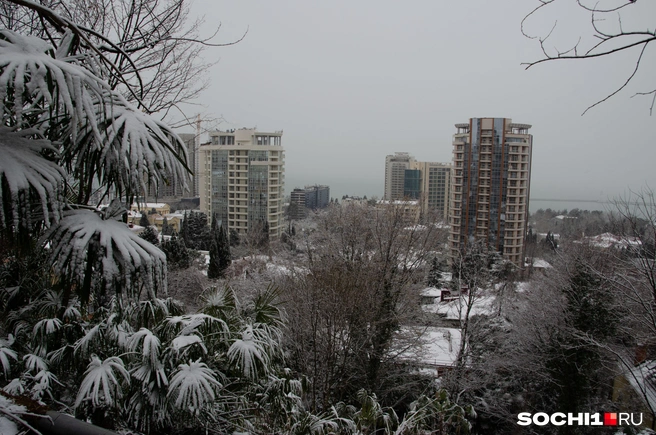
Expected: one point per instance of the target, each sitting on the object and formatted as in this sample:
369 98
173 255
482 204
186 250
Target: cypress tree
434 278
167 229
219 251
184 230
143 220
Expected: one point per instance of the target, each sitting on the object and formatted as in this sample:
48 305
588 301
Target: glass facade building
491 185
242 179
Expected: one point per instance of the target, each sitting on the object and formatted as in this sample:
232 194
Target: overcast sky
350 82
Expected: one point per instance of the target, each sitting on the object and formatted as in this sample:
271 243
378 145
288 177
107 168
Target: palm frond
150 348
6 353
100 384
23 168
32 77
193 386
83 243
249 354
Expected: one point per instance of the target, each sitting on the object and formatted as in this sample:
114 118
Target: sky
350 82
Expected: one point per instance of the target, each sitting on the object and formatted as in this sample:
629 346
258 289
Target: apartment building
395 167
426 182
241 179
490 186
430 183
310 198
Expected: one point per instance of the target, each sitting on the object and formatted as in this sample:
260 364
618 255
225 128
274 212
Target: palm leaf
23 168
32 77
193 386
249 354
100 384
85 244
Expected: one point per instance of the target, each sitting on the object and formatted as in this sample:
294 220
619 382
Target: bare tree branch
613 40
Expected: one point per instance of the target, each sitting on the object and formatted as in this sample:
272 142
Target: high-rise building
395 166
171 189
430 183
309 198
491 184
241 179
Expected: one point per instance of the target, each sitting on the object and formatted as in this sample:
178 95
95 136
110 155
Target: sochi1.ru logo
580 419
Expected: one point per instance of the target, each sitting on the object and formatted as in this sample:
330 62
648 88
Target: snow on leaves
31 75
23 167
101 385
193 386
6 353
84 243
249 354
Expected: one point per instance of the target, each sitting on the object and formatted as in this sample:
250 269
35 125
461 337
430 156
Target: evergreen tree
234 237
219 251
184 233
434 278
177 255
197 232
167 229
150 235
143 220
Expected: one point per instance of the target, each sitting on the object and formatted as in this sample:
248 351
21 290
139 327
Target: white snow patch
435 347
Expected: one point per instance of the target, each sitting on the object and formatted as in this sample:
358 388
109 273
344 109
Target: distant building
346 200
297 209
171 189
410 210
395 167
491 184
431 184
409 179
309 198
241 179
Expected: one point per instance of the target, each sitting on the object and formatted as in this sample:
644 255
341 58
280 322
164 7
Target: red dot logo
610 419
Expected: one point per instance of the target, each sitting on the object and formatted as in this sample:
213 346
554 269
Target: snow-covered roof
398 202
643 380
434 346
457 308
431 292
539 263
606 240
149 205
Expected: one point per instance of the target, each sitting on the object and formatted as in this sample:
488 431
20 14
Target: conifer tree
150 235
143 220
434 278
265 234
234 237
184 232
219 251
167 229
177 255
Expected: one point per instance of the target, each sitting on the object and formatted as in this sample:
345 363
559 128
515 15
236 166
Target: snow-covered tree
150 235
